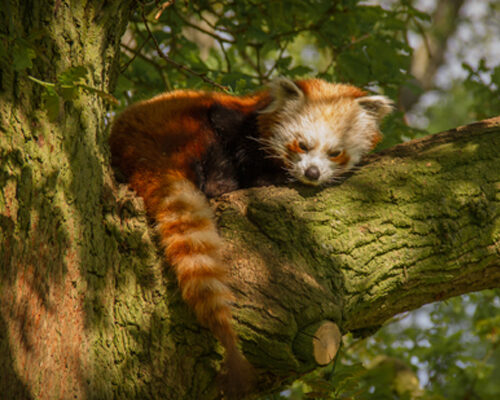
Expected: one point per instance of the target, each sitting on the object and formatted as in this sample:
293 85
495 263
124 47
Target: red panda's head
320 130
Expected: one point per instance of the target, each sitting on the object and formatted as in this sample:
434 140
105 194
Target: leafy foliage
241 45
486 94
475 98
454 345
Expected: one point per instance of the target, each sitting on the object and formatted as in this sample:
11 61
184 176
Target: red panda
179 148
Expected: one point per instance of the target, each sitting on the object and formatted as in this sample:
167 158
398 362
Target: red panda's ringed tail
179 148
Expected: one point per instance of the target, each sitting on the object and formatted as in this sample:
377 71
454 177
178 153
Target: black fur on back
235 160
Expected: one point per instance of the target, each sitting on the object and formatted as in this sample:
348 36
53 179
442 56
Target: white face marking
323 134
323 129
301 170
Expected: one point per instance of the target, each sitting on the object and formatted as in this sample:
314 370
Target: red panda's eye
303 146
334 153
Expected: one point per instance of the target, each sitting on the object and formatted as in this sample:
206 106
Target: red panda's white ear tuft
283 91
379 106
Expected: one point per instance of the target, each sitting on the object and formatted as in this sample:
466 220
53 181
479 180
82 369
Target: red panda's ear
283 91
378 106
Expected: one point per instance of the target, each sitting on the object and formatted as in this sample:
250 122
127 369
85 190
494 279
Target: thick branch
418 223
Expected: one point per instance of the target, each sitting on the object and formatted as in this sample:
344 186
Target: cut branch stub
319 342
326 342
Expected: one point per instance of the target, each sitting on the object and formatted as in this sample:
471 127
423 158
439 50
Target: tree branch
418 223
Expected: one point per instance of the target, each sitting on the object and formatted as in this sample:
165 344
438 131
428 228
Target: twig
334 58
425 38
259 70
271 70
163 7
226 56
249 60
205 31
157 66
135 53
181 67
211 25
140 55
106 96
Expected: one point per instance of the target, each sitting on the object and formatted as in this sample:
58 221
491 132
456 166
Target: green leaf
51 102
353 67
106 96
284 62
73 75
68 93
22 56
495 76
299 71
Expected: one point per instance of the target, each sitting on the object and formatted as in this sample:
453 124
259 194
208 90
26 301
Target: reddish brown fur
376 139
153 143
317 89
342 159
294 147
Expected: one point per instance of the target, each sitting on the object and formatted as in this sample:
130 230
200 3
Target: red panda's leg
192 246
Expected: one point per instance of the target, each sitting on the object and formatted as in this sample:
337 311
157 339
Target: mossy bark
89 311
417 223
77 304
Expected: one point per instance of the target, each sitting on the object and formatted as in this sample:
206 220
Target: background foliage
443 351
241 45
447 350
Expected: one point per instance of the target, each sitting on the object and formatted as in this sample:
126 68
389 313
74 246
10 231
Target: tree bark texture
88 310
416 224
57 256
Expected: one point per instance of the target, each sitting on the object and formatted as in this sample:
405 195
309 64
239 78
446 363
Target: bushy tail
192 246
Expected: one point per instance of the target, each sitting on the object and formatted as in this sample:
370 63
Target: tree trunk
58 256
87 309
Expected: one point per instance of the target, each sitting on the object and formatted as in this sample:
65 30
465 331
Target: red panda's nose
312 173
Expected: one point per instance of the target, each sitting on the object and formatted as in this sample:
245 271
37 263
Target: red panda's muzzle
312 173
